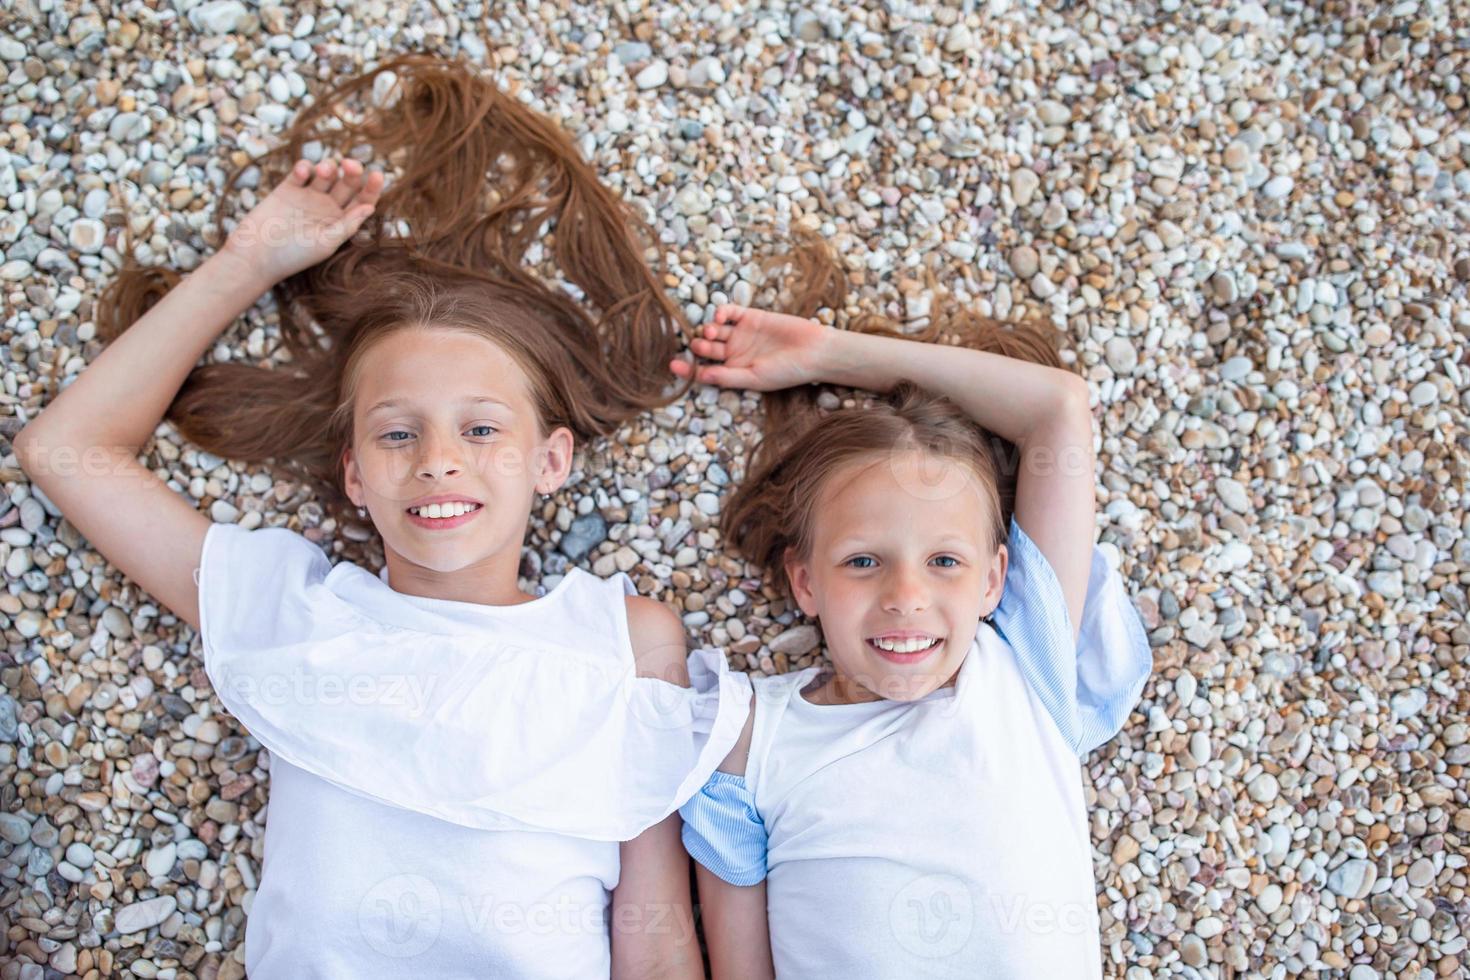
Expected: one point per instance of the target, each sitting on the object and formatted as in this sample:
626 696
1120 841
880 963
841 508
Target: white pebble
654 74
87 235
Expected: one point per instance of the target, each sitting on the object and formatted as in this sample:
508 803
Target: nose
439 457
904 592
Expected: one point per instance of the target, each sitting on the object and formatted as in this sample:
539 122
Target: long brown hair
772 511
476 178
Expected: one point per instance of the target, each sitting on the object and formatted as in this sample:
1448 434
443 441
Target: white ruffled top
526 717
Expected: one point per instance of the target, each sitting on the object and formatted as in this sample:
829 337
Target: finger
717 331
324 176
300 173
729 314
712 349
346 226
716 374
356 217
348 185
372 186
680 368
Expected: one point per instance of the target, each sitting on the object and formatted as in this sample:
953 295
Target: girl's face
900 573
443 414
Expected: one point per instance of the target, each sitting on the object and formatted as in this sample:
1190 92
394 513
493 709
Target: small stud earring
362 512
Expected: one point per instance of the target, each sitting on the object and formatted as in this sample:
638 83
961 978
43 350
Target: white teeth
454 509
905 646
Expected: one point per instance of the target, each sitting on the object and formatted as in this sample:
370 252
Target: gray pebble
586 533
14 829
9 723
1278 187
80 855
632 52
94 205
1352 878
116 623
144 915
1389 584
157 173
1236 369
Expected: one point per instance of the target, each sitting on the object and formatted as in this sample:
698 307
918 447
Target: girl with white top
917 810
467 780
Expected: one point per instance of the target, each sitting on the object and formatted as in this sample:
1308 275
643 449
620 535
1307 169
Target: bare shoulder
660 645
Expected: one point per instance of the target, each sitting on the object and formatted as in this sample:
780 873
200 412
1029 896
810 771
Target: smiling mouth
444 511
905 650
443 517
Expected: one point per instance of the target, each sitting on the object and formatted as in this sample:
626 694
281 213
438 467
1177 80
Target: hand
305 218
757 349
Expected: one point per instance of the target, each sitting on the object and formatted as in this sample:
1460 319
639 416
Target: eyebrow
851 542
472 400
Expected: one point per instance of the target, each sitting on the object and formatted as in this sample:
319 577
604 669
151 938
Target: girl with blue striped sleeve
916 809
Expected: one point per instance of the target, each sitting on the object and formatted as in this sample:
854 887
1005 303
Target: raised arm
81 451
1043 411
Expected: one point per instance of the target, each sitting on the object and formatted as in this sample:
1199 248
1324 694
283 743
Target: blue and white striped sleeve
1089 688
724 832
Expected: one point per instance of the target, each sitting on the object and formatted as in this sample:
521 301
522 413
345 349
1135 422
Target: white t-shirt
449 780
944 837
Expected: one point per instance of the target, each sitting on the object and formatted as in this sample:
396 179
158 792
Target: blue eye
948 558
866 558
490 430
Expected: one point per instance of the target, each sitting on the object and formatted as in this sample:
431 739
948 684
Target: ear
799 574
995 582
554 460
351 478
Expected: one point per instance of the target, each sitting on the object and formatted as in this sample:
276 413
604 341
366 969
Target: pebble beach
1249 224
